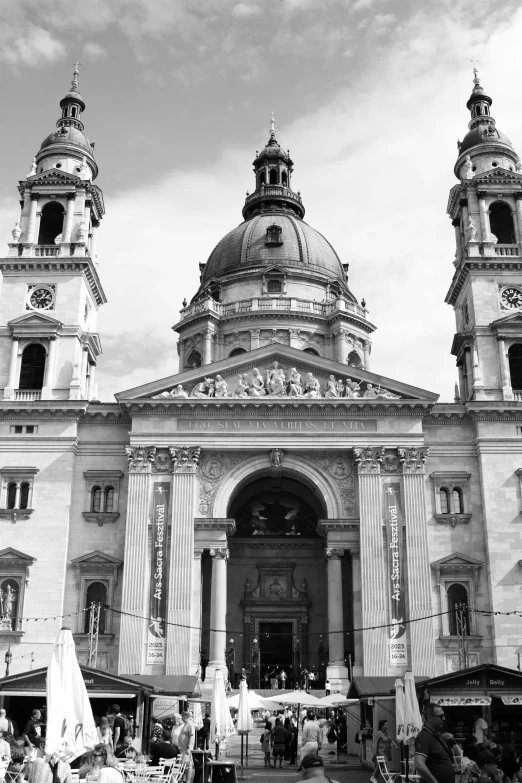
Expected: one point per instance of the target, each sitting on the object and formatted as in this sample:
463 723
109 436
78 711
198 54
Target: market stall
490 691
377 702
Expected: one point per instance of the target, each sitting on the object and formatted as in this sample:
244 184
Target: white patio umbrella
399 708
70 723
297 697
337 700
255 702
221 725
412 716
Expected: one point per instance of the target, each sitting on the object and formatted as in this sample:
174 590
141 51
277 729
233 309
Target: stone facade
248 497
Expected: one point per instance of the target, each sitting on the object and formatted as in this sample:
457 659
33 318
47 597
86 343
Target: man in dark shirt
118 726
433 759
162 750
33 728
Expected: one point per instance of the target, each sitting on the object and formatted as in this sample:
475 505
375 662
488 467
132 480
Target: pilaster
134 597
181 561
357 612
195 654
337 672
373 566
218 614
422 645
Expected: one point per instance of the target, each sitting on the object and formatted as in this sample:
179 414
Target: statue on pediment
241 389
379 393
331 387
312 386
257 384
275 381
352 388
205 388
221 387
295 384
177 391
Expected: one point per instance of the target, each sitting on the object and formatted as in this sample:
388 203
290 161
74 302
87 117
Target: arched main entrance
276 581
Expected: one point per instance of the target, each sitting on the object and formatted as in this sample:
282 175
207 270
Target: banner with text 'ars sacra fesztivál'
395 574
158 574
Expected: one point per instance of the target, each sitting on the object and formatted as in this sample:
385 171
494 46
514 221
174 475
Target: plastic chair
389 777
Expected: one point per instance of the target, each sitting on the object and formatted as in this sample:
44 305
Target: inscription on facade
278 425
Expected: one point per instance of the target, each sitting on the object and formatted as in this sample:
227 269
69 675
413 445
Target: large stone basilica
278 504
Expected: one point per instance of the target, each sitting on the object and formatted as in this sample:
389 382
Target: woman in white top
178 725
105 732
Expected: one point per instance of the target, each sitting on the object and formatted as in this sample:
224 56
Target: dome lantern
273 169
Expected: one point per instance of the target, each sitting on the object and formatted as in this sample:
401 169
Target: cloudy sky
369 96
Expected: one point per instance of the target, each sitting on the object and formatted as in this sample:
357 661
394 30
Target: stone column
180 598
29 234
340 347
254 339
90 383
366 354
13 366
462 383
94 240
85 358
518 220
374 592
458 239
337 672
47 389
469 373
218 613
181 354
67 226
418 594
135 593
357 612
505 375
207 346
18 492
484 218
195 654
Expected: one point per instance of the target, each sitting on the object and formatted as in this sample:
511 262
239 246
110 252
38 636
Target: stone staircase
268 693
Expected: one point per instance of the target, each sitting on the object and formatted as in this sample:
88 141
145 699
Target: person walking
327 688
279 737
266 742
291 742
479 730
383 747
311 736
433 758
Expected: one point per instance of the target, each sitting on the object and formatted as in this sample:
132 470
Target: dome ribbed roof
246 245
72 136
479 135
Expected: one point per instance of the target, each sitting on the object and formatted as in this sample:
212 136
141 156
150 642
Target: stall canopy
368 687
99 684
169 685
475 686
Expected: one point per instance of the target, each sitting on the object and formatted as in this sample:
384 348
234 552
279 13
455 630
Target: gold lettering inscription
279 425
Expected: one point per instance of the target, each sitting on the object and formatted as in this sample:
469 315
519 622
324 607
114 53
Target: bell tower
51 291
486 291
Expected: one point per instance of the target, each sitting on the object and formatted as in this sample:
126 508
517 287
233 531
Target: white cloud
32 47
93 51
246 10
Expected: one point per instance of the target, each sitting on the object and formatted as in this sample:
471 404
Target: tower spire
74 83
272 124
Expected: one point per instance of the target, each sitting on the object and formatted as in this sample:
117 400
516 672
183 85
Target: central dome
299 247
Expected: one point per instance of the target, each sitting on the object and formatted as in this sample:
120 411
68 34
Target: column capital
482 194
197 554
220 554
501 337
71 196
15 338
355 554
34 196
255 332
333 554
518 195
413 460
185 460
456 223
368 459
140 458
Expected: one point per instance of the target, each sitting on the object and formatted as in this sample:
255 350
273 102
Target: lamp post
256 674
8 658
231 660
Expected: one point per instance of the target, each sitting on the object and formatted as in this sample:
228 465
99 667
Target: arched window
284 179
312 351
24 495
273 177
11 495
9 595
74 111
96 498
444 501
515 366
51 223
354 360
456 501
501 222
457 597
273 235
33 367
109 500
97 594
194 360
237 351
262 178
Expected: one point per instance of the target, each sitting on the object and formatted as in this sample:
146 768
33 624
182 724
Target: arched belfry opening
51 223
515 366
32 368
501 223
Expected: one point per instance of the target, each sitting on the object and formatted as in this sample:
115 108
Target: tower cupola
273 169
484 146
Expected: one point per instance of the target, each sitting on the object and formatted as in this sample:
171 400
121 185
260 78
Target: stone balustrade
507 250
290 304
517 396
28 395
272 190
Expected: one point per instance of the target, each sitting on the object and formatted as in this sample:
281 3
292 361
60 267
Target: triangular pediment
288 358
498 173
14 555
457 560
96 557
34 317
54 174
513 319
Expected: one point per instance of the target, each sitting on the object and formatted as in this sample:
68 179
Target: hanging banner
393 521
158 574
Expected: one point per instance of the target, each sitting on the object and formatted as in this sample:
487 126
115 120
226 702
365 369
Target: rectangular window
274 286
23 429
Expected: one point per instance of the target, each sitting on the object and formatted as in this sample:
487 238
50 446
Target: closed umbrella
221 725
412 716
399 708
244 717
70 723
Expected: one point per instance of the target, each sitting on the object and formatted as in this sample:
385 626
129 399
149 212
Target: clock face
41 298
511 298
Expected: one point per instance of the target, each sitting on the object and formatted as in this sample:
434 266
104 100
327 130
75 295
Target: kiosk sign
392 516
158 571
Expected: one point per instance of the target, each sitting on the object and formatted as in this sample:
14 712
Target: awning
364 687
461 701
172 685
511 699
99 684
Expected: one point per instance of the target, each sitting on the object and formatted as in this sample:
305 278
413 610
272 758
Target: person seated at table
121 750
163 750
5 748
52 770
101 766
